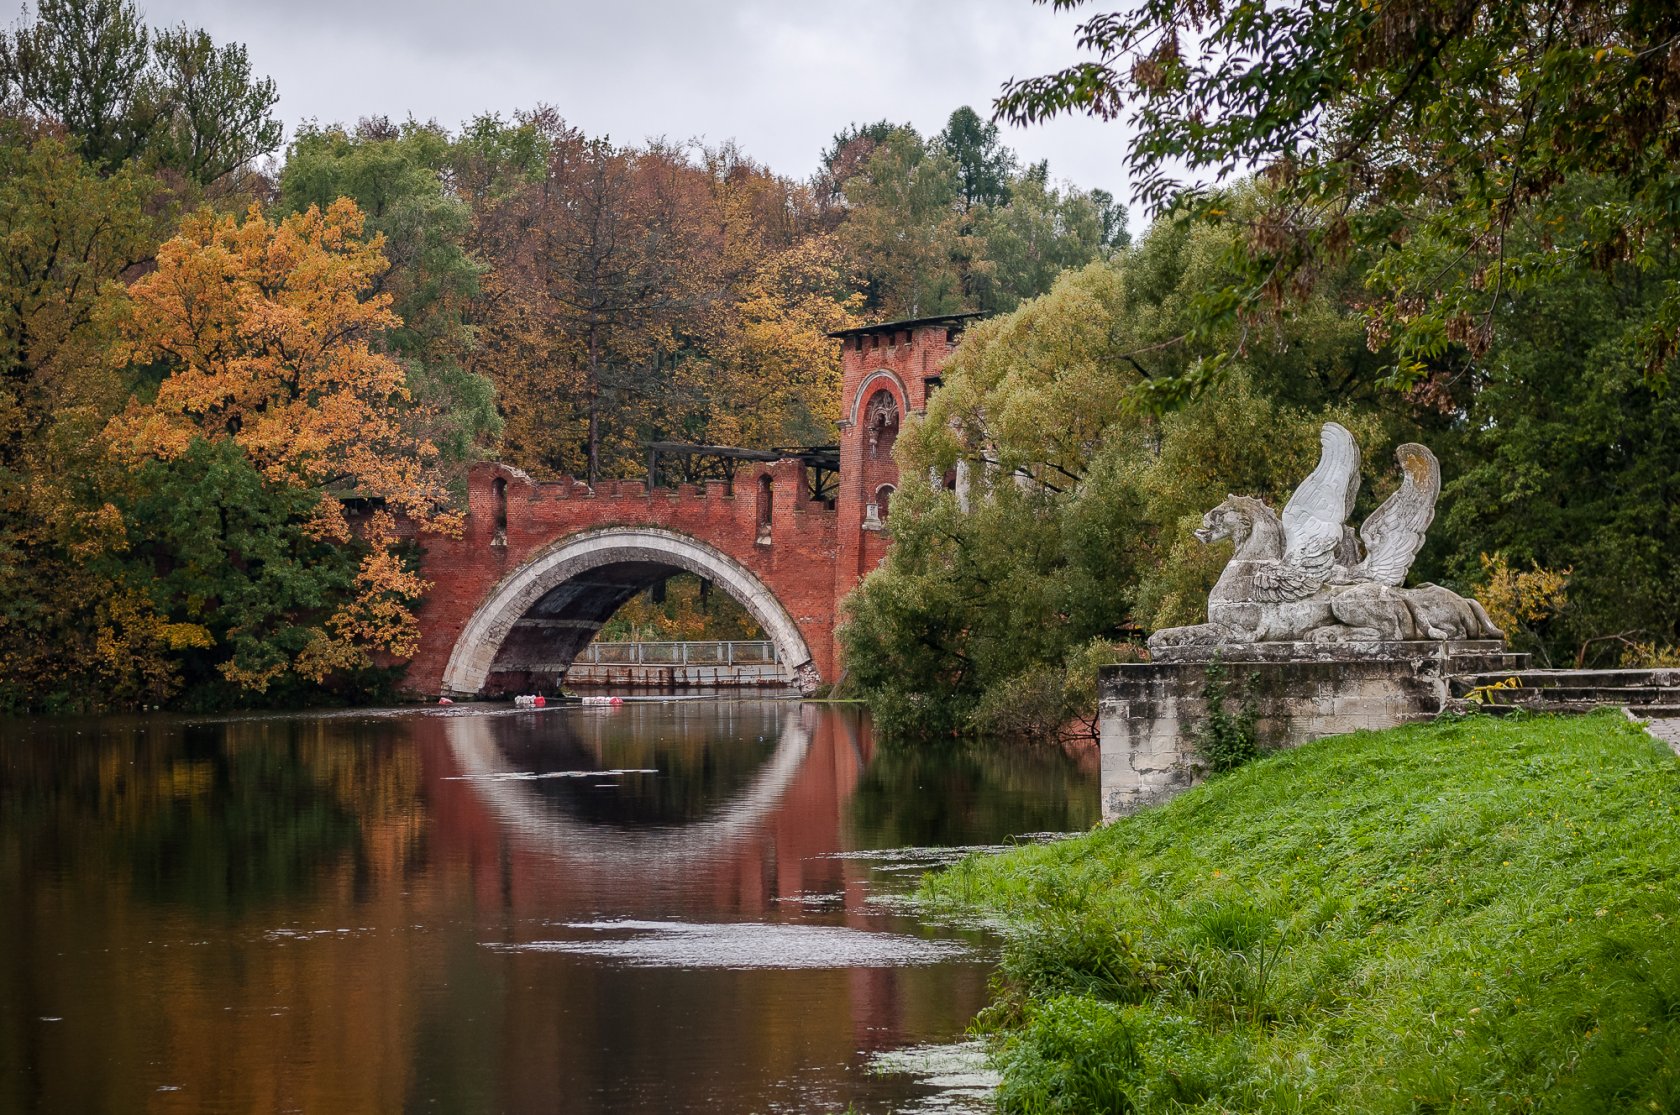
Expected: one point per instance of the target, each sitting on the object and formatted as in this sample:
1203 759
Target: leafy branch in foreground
1447 140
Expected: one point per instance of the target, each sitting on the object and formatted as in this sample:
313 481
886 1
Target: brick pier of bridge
541 565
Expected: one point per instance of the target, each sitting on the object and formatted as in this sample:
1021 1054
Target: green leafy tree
1021 564
214 115
1426 134
491 157
1042 231
398 176
87 65
904 227
171 97
1063 529
235 564
953 223
1569 458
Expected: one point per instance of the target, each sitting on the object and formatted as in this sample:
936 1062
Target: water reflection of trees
214 817
148 865
968 794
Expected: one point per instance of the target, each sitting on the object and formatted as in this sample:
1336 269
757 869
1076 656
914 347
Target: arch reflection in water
481 746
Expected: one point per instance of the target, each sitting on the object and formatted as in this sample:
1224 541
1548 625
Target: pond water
661 907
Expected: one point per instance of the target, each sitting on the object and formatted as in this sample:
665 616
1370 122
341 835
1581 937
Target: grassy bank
1479 915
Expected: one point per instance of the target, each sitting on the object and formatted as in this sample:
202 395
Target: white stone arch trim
879 377
475 649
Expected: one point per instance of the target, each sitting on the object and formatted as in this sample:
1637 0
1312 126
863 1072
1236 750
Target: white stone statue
1306 577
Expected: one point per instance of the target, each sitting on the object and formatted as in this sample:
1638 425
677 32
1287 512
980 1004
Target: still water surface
672 907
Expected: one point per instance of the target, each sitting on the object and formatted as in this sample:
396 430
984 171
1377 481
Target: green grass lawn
1471 915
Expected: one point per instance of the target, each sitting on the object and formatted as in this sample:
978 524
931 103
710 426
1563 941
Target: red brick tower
887 372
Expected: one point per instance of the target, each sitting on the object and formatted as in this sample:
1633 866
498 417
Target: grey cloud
780 78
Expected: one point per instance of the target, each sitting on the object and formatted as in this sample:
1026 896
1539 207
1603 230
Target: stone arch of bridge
538 617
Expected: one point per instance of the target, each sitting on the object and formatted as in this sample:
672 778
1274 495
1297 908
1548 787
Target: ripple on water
741 945
888 860
537 776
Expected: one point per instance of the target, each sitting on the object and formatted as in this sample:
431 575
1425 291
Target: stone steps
1647 692
1630 695
1667 677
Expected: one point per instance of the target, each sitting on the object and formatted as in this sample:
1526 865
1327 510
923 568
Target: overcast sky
779 76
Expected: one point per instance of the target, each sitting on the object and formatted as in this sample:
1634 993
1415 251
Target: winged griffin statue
1305 576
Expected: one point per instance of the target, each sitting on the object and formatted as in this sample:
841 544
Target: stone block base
1152 712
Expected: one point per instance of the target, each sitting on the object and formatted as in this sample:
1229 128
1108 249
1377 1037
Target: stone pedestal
1151 712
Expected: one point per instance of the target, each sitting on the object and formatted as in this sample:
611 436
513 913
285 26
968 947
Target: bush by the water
1475 914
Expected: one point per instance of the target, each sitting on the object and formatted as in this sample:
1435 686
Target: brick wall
900 363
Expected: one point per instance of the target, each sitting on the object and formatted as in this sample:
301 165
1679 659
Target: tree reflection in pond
313 912
969 793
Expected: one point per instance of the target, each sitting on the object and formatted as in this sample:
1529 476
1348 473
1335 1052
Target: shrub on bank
1475 914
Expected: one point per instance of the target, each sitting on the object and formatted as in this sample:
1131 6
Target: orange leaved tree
266 339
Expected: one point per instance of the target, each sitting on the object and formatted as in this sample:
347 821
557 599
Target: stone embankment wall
1151 713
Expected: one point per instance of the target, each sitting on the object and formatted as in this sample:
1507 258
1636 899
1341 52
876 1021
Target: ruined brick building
541 566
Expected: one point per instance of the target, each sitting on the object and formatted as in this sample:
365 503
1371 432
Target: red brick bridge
542 565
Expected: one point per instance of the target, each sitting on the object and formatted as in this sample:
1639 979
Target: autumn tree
774 374
69 236
845 157
612 258
266 338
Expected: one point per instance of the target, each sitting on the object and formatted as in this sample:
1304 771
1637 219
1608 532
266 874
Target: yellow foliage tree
776 379
266 332
268 337
1518 599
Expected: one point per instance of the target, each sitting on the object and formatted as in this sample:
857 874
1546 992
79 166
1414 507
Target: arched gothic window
498 492
765 502
880 421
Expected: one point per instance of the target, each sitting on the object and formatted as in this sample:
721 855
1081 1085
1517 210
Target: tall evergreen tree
984 165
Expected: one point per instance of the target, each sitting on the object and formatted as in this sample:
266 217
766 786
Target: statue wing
1278 583
1394 532
1313 520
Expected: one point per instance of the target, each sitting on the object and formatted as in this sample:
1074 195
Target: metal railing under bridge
740 652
